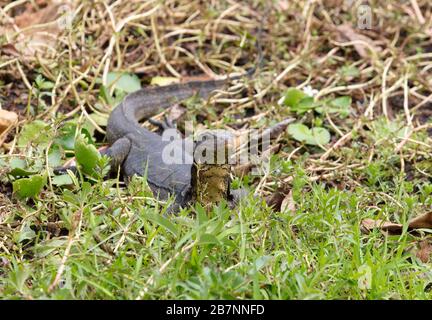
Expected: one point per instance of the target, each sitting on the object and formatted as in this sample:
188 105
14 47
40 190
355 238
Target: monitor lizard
138 151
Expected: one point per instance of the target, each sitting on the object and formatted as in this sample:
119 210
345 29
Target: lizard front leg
118 152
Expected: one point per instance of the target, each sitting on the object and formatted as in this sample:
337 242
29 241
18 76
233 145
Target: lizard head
211 171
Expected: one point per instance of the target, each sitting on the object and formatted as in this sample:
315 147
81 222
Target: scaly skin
210 179
138 151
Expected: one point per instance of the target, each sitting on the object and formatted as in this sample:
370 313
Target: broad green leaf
343 102
18 276
26 233
19 168
54 156
43 84
320 136
99 118
123 81
316 136
299 132
29 187
163 81
261 262
18 163
293 97
339 105
36 132
304 105
46 85
66 136
86 155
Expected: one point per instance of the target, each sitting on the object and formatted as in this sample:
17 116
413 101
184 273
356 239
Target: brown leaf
369 224
350 34
425 251
288 204
7 119
276 199
9 50
202 77
30 17
423 221
40 29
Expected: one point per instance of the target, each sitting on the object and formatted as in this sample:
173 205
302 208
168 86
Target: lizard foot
163 125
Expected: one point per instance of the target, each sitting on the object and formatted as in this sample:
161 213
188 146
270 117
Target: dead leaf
53 228
203 77
30 17
425 251
288 204
7 119
276 199
347 32
423 221
39 30
9 50
368 225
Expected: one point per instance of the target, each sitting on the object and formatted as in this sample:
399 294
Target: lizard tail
145 103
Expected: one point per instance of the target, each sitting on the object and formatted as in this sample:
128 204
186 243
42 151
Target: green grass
122 248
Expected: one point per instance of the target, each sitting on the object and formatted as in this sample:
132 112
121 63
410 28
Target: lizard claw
163 125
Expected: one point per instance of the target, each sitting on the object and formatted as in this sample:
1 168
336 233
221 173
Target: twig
73 235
